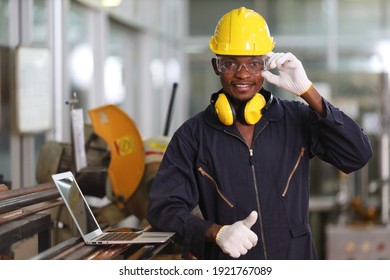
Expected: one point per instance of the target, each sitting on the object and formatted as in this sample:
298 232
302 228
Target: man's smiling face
240 76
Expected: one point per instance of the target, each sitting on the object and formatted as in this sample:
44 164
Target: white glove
237 239
292 76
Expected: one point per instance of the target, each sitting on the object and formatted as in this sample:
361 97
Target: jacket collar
273 112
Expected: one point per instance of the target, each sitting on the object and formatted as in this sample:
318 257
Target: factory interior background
58 55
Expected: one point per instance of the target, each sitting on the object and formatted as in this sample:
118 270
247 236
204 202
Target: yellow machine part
127 161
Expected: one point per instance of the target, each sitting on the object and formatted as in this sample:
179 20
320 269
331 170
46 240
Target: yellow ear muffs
224 110
253 109
251 113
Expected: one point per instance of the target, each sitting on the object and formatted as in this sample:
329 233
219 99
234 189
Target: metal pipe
384 147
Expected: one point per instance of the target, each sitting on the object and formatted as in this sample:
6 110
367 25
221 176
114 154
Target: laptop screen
76 202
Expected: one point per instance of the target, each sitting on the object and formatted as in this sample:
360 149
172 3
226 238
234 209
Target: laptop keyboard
118 236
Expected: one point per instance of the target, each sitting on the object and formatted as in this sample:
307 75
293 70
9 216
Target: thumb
271 78
250 220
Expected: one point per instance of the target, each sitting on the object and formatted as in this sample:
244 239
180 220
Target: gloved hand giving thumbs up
237 239
292 76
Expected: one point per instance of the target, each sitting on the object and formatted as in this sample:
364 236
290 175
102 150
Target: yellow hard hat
242 32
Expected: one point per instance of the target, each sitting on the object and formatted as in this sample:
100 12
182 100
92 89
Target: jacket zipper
258 203
293 171
260 216
204 173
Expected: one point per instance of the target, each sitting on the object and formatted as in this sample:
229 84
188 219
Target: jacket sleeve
173 196
338 140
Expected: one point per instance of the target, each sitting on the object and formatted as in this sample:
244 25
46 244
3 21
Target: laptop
87 224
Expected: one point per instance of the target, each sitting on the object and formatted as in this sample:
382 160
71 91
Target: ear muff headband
225 111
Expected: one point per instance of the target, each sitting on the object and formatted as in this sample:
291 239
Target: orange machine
127 161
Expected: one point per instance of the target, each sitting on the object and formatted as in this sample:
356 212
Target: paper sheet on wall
34 101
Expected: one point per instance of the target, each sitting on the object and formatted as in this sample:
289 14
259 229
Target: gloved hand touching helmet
292 76
238 238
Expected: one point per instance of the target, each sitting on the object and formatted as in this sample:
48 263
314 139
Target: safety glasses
228 65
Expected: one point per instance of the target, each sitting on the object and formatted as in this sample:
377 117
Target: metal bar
15 203
21 213
27 190
169 116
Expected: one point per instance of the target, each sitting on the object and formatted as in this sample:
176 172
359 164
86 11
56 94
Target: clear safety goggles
228 65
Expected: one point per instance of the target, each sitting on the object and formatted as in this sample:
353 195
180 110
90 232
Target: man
245 159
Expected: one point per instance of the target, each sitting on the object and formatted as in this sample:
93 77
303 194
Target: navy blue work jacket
208 164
